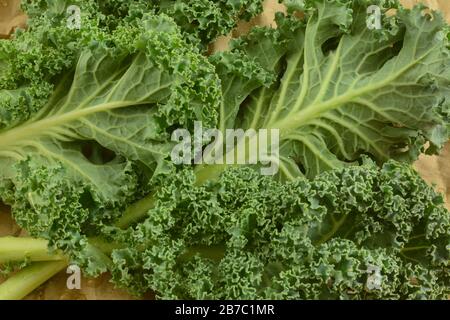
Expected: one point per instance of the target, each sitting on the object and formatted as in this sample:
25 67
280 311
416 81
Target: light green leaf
345 90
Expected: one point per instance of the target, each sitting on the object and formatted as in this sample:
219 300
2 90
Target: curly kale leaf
33 61
342 89
352 233
123 95
201 20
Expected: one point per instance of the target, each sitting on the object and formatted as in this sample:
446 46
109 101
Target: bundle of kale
87 113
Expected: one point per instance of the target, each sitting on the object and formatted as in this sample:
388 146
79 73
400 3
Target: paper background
435 170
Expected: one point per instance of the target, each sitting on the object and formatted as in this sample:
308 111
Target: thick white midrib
314 110
42 127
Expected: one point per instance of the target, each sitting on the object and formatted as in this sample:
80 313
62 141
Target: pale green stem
136 211
30 278
106 247
20 249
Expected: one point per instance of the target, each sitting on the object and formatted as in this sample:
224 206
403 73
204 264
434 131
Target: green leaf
104 134
345 90
359 232
123 101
